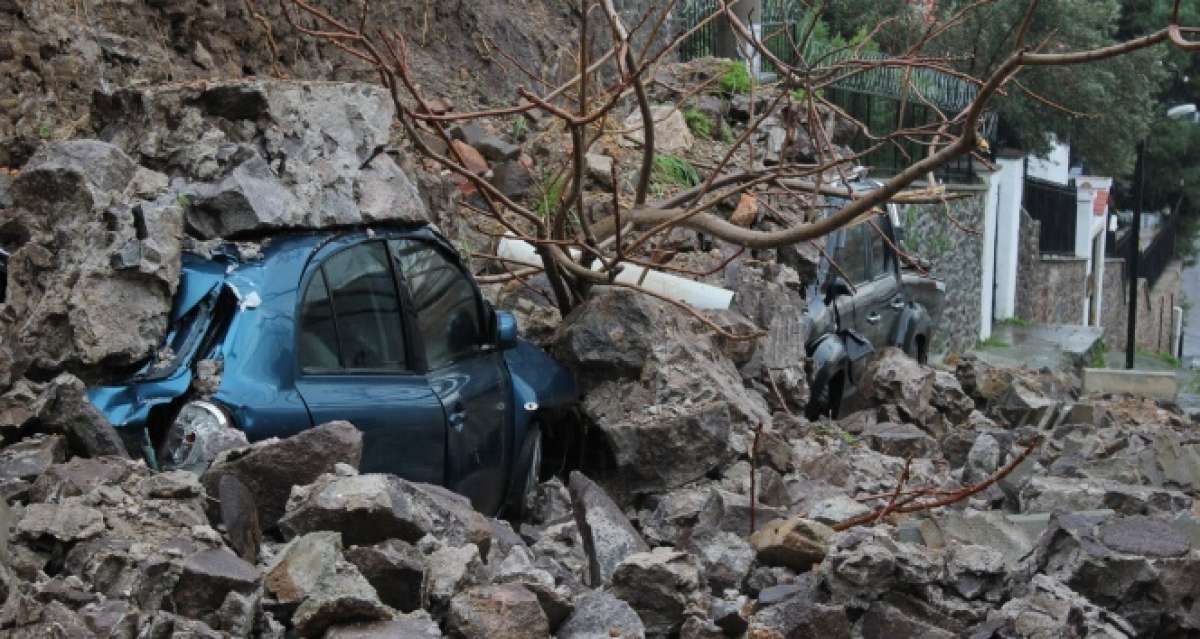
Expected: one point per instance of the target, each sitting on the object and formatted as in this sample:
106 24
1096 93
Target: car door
880 299
465 370
355 361
850 262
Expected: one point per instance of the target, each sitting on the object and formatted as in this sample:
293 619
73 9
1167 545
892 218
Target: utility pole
1139 179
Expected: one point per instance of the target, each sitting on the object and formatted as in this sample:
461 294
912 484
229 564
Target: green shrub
735 78
551 190
672 169
698 123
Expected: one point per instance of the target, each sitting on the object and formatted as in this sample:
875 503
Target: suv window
852 254
445 302
350 317
881 253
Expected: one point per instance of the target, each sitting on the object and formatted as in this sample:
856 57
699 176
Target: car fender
914 320
828 355
539 384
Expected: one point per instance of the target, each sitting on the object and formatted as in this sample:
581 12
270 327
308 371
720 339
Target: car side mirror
835 288
506 329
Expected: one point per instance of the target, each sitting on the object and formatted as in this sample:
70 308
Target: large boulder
369 509
670 404
94 263
660 585
1141 568
600 615
506 611
671 133
270 468
255 155
608 537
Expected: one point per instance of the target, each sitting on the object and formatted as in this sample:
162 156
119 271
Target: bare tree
576 251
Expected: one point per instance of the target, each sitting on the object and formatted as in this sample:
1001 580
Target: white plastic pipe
681 289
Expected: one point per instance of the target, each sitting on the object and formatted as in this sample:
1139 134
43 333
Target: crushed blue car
382 327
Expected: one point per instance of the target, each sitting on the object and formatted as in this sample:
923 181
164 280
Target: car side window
852 254
350 316
445 301
881 253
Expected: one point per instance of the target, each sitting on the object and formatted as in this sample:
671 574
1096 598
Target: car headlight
200 431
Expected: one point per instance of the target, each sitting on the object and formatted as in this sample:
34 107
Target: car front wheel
532 474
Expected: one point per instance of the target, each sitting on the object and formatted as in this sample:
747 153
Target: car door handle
873 318
898 304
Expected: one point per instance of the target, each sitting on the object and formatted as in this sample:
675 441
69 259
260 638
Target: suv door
880 298
849 261
355 363
465 370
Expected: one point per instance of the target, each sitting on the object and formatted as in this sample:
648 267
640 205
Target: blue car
382 327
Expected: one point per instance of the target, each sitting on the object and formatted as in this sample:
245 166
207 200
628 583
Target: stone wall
1154 330
1051 289
956 258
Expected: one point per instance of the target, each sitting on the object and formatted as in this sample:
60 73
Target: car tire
822 403
532 473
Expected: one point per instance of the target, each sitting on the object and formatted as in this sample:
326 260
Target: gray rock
608 537
670 404
208 578
74 309
368 509
256 155
270 468
600 615
730 512
795 543
67 411
982 460
300 566
31 458
900 440
66 522
552 502
512 179
673 515
725 557
495 149
449 570
671 133
660 585
6 198
599 168
395 569
801 616
112 618
836 509
342 595
1050 610
1048 494
417 625
239 517
895 378
506 611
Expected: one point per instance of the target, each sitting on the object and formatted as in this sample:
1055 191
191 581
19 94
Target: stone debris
675 523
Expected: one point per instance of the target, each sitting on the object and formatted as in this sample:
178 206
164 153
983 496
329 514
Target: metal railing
1053 205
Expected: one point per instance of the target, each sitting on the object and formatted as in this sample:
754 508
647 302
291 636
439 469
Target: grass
800 95
698 123
992 342
735 78
1099 359
551 190
520 128
672 169
1166 358
1014 321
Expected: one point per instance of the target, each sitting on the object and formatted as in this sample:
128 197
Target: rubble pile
711 508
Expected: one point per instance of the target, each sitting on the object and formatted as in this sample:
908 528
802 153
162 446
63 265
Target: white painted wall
1055 167
1009 182
1092 212
991 201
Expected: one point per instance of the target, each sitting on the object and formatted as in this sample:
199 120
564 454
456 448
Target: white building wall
1055 167
1010 189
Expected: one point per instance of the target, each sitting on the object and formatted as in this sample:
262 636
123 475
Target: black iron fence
1054 206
